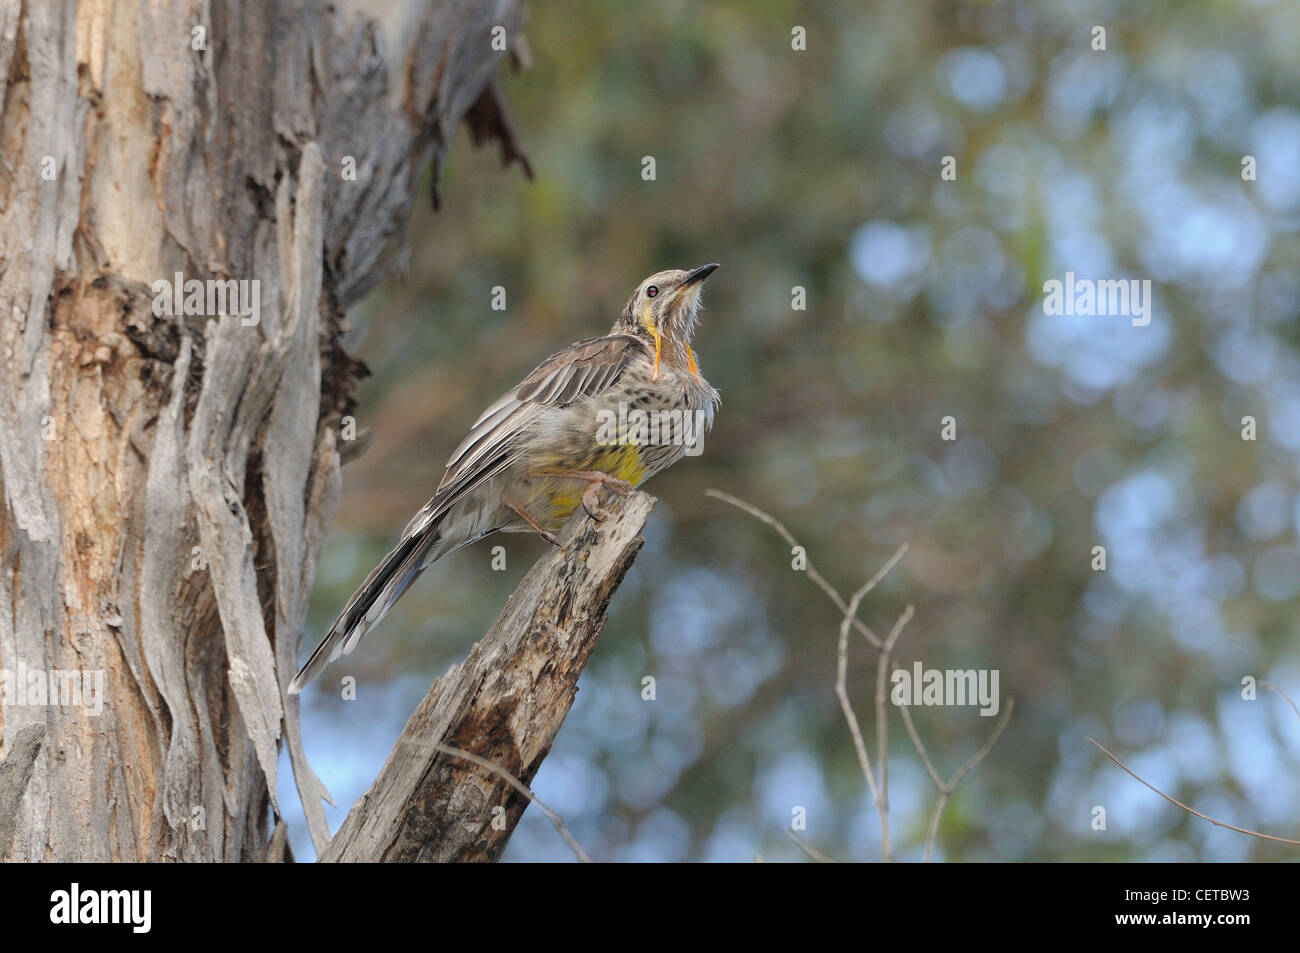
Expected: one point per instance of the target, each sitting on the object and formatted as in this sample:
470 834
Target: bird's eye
652 291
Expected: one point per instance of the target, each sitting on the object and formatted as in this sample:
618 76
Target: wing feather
580 370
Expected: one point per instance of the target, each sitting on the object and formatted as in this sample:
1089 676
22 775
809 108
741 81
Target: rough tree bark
167 481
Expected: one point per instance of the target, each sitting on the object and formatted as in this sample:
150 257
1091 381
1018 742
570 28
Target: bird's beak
699 274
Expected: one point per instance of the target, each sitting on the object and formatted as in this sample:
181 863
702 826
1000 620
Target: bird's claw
590 504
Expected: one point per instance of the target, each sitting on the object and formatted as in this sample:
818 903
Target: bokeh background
821 169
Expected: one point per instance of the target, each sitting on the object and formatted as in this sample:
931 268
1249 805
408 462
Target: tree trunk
168 477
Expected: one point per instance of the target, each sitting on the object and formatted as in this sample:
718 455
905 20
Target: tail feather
371 602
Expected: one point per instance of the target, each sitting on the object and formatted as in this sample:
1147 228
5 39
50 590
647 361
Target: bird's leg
595 479
545 534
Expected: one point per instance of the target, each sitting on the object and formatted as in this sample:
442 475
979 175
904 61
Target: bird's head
665 307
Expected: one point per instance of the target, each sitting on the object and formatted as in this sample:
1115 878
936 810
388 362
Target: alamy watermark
242 297
132 908
946 688
655 428
62 688
1129 297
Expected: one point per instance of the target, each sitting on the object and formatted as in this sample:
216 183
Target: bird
583 418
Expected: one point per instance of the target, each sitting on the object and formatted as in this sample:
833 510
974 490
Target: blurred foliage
821 169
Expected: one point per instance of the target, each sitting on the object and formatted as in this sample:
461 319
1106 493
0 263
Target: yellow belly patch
622 461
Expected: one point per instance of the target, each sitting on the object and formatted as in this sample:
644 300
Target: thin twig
1273 688
884 570
556 821
810 850
906 712
849 612
850 716
810 569
842 692
947 787
1190 810
849 618
988 746
882 722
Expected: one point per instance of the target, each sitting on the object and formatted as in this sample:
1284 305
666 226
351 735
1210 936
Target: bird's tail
372 600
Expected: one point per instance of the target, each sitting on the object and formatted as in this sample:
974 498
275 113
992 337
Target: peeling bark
168 480
15 772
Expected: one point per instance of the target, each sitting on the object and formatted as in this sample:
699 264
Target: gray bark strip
163 549
167 481
297 531
504 703
15 773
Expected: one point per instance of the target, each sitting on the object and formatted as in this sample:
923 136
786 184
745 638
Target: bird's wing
580 370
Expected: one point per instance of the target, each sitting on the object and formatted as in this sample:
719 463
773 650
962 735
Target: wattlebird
612 410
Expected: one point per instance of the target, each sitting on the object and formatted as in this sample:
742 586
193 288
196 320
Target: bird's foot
595 480
541 530
592 506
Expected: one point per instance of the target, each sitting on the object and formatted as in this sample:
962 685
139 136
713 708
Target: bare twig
988 745
906 712
842 692
556 821
882 722
947 787
878 792
848 612
1273 688
813 574
809 849
884 570
1189 810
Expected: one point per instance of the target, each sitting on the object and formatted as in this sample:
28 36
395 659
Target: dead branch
503 705
882 723
813 574
947 787
812 852
846 705
849 611
1189 810
1273 688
